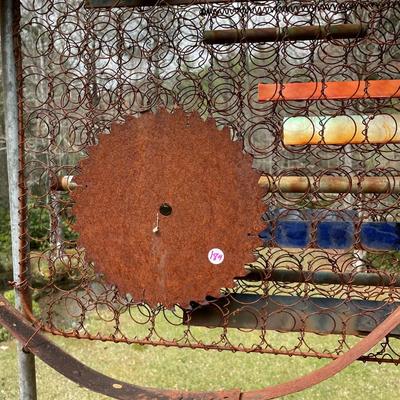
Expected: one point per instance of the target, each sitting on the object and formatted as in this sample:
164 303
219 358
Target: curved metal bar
331 369
87 377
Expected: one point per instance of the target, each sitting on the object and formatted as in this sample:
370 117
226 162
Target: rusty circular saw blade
173 160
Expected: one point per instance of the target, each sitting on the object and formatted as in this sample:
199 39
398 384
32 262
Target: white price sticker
215 256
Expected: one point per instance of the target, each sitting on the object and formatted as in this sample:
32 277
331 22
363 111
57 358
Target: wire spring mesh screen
84 68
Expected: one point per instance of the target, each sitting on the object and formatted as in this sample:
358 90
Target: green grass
197 370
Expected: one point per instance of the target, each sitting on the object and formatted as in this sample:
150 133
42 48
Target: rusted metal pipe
314 32
331 184
150 3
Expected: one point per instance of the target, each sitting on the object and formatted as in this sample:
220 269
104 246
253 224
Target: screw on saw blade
156 228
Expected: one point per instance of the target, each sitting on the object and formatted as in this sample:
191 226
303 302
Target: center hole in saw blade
165 209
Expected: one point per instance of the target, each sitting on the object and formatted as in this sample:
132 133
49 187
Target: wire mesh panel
326 151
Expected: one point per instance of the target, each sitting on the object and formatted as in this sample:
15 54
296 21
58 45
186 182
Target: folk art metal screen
328 258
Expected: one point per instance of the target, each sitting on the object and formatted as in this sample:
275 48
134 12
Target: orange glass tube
378 89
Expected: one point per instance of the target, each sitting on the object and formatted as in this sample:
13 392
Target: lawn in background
197 370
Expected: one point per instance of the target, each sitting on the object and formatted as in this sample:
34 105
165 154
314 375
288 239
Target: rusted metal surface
170 159
342 130
378 89
292 314
132 68
339 31
86 69
331 184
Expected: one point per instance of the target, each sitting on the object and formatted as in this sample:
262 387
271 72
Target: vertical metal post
26 361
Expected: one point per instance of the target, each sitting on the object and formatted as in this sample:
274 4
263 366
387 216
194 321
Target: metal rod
313 32
63 183
319 315
331 184
9 9
152 3
297 184
324 277
379 89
